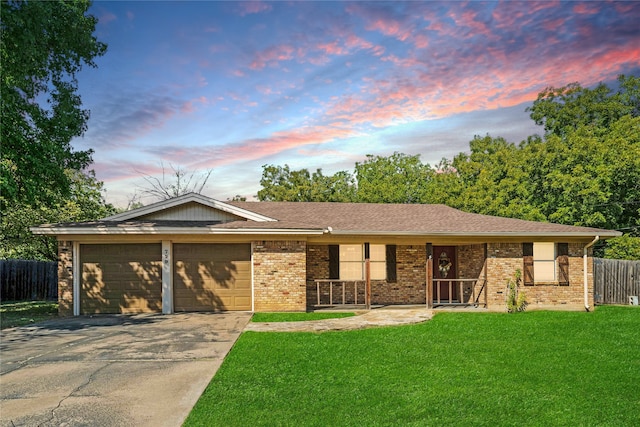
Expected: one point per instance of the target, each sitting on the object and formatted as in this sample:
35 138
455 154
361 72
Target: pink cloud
390 27
586 9
332 48
271 56
107 17
253 7
256 148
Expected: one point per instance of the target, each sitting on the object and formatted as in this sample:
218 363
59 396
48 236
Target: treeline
583 170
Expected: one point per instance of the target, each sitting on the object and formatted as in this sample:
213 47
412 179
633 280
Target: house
193 253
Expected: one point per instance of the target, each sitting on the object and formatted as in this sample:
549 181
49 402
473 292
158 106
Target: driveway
112 370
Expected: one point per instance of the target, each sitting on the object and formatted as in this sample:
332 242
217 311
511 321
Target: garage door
121 278
212 277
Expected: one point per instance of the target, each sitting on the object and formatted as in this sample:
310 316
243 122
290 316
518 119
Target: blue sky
236 85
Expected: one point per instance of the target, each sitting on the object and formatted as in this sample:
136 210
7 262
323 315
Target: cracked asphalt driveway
112 370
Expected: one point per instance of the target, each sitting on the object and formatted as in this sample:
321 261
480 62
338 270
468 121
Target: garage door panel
121 278
210 277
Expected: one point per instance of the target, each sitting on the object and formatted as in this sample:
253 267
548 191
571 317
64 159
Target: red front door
444 274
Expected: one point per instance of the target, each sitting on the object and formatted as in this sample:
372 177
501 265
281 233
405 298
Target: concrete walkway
112 370
386 316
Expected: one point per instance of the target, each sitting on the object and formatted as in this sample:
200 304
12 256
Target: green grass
297 317
532 368
20 313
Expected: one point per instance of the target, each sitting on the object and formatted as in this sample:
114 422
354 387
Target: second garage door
212 277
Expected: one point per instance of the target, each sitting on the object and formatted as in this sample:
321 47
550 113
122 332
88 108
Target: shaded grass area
19 313
533 368
297 317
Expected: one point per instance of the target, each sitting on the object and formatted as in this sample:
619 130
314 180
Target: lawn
532 368
298 317
19 313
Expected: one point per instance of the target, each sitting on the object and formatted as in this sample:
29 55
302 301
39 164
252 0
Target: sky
233 86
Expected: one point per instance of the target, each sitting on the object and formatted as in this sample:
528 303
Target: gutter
172 230
584 268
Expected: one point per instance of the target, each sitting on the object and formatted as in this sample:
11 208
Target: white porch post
76 271
167 277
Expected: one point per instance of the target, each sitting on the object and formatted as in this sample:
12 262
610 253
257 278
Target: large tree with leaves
280 183
43 47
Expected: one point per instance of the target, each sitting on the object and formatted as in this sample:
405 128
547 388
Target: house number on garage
166 256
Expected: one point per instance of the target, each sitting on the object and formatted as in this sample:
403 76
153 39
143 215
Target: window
346 262
545 262
378 264
351 262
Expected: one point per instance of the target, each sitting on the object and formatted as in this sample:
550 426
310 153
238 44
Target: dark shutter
563 264
392 276
527 259
334 262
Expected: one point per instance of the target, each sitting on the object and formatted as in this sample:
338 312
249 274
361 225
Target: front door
444 274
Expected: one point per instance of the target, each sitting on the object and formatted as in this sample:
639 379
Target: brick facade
505 258
410 287
497 262
65 278
284 274
471 264
279 275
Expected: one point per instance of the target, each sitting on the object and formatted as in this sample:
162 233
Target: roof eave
600 233
198 198
54 231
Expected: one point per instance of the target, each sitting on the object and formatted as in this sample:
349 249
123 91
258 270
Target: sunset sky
236 85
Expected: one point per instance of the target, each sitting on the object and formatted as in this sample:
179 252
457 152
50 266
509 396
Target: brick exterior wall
279 275
411 268
505 258
65 278
471 264
410 287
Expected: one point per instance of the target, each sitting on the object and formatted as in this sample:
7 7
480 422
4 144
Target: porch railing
467 292
344 295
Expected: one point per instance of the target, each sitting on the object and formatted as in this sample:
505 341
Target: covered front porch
353 294
397 275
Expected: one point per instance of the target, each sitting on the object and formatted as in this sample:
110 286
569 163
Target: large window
351 262
544 261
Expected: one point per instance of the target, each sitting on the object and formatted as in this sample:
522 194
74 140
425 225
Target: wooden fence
615 280
22 280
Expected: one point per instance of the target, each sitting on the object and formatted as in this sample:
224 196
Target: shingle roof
335 218
401 218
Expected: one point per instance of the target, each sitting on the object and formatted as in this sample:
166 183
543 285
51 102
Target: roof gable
192 206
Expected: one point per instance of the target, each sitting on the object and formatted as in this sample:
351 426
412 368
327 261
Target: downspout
584 268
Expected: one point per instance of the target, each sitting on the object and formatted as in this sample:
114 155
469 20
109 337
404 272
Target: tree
283 184
85 202
42 178
399 178
561 110
492 180
43 47
624 247
171 184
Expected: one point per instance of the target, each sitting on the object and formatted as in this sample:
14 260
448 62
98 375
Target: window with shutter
545 262
527 258
392 275
334 262
563 264
346 262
